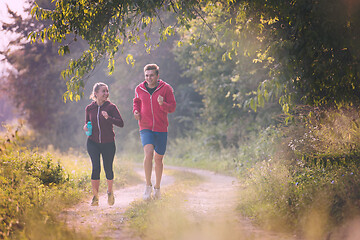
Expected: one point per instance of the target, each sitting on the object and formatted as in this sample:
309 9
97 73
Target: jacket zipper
152 112
151 104
98 122
152 109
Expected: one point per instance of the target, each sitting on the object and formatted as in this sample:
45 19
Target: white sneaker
157 193
147 193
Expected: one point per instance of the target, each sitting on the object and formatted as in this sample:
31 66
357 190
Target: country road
209 207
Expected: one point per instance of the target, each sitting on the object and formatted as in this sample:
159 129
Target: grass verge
148 219
37 185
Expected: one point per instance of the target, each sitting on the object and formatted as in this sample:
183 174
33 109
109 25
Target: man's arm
136 106
167 103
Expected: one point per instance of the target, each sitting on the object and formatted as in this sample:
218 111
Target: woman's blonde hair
96 88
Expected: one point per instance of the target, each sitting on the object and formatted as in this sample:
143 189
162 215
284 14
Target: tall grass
300 178
36 185
310 183
193 151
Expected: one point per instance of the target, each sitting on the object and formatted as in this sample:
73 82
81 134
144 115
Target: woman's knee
95 175
110 177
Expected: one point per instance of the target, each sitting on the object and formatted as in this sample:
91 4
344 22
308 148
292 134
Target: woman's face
102 94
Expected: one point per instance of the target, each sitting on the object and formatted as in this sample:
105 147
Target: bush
309 184
31 184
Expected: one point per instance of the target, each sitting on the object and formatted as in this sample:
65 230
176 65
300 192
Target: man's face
151 78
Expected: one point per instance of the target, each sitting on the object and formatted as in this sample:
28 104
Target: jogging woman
103 115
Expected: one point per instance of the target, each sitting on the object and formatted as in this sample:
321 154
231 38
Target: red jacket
152 115
102 129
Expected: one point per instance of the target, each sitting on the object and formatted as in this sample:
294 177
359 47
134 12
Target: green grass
162 219
291 175
37 185
301 178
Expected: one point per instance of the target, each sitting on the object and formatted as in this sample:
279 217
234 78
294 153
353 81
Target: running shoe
95 201
157 193
111 198
147 193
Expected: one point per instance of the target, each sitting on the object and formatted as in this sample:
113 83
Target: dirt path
107 221
210 206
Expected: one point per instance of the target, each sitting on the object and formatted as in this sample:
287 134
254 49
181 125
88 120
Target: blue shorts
158 139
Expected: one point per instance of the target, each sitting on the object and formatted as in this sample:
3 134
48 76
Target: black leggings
107 150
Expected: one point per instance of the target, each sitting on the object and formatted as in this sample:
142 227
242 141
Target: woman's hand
105 114
85 127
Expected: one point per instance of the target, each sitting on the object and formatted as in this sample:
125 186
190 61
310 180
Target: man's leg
149 153
159 166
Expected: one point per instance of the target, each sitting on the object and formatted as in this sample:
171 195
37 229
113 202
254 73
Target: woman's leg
95 187
94 153
108 154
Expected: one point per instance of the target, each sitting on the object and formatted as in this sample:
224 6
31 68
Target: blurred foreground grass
171 218
36 185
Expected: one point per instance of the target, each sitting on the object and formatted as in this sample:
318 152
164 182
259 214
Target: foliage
217 57
305 51
106 26
32 184
28 181
312 175
302 51
310 49
286 187
194 152
35 87
326 135
127 78
283 197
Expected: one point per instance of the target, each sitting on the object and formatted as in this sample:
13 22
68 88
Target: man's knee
159 159
149 151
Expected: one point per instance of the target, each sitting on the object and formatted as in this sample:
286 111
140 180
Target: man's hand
137 115
160 100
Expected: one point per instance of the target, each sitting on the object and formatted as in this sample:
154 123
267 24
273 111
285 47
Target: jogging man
154 99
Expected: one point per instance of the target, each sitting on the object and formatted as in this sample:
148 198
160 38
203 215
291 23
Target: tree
127 78
218 58
36 88
107 26
310 49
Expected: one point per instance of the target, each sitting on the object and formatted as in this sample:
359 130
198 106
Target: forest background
266 90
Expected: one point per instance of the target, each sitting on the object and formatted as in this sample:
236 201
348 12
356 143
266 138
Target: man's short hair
152 66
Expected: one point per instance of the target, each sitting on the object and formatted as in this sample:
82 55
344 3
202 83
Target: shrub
312 176
31 184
